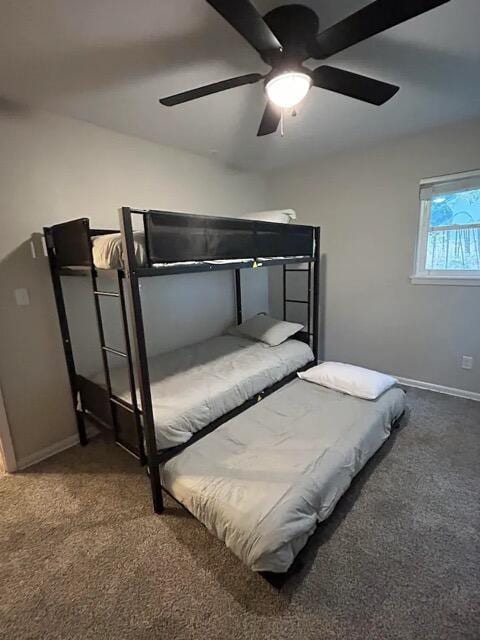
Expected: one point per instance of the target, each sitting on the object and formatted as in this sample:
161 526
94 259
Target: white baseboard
438 388
51 450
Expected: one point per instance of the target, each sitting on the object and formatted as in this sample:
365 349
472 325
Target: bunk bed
219 438
168 244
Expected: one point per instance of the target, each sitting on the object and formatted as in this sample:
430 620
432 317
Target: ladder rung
132 453
97 420
296 270
122 403
114 351
110 294
297 301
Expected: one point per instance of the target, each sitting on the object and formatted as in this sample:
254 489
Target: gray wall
367 205
177 311
53 169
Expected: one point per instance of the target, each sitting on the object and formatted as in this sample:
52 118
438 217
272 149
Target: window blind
433 187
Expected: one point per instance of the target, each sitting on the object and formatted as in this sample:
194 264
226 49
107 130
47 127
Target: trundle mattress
262 481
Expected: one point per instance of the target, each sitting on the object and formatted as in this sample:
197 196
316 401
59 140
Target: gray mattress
194 385
262 481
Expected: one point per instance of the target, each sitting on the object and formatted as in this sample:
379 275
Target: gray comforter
262 481
194 385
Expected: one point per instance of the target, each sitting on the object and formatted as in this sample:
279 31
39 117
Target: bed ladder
114 400
307 302
313 284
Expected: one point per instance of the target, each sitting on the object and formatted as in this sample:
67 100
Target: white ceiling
108 62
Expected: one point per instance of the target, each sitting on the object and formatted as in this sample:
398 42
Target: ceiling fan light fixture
288 89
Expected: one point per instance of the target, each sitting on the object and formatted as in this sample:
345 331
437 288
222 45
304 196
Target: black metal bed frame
205 243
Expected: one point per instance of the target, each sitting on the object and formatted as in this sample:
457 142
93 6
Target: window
448 247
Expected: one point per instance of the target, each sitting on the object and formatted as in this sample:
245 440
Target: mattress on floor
194 385
262 481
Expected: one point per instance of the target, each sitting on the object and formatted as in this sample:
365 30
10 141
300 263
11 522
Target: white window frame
439 276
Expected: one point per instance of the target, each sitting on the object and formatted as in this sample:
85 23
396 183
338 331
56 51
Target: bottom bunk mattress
194 385
262 481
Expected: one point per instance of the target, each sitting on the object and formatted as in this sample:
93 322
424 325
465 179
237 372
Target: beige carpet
83 557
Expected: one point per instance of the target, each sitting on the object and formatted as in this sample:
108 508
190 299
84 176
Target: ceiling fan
288 35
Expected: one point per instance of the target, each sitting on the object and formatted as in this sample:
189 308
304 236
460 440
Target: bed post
238 295
141 359
67 345
316 292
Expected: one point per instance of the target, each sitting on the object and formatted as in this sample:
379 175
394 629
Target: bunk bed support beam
104 350
141 359
131 373
238 295
316 294
67 345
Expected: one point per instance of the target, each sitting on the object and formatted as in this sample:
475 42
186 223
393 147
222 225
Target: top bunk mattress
195 385
263 480
107 250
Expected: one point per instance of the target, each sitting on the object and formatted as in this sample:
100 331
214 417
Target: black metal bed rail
183 237
141 357
205 266
199 267
131 372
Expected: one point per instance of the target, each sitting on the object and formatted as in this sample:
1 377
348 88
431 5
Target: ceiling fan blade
353 85
245 19
208 89
270 120
372 19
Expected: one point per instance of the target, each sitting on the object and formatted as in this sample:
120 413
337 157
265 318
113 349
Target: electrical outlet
467 362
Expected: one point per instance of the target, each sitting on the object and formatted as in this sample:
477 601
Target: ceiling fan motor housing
295 27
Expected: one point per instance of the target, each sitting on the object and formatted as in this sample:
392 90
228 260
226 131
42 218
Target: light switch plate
467 362
21 297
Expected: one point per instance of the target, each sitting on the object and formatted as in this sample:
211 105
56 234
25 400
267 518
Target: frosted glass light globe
288 89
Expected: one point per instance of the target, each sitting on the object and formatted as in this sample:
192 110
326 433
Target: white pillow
356 381
266 329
